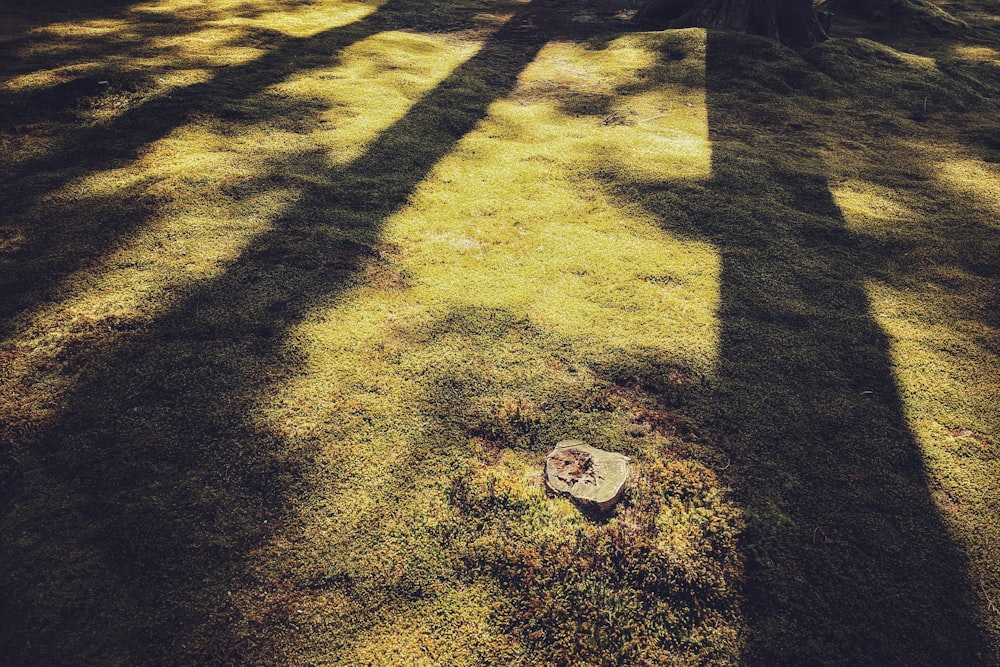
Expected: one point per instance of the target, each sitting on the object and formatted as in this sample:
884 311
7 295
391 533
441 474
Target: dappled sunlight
213 34
216 187
211 47
513 224
301 293
220 33
653 121
135 60
530 229
574 69
374 83
192 238
491 308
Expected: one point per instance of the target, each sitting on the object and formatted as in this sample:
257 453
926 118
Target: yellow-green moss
277 385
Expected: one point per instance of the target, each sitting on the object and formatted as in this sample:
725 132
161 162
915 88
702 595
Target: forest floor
295 296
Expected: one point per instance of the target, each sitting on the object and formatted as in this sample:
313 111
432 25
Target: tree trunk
791 22
872 10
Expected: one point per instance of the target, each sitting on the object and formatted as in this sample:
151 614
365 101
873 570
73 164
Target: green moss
295 304
656 582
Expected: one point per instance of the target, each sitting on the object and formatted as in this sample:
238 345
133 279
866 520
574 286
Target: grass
296 297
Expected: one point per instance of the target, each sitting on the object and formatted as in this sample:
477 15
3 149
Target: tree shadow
49 248
144 494
848 559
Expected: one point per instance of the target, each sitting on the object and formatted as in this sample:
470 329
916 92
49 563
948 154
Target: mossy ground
296 296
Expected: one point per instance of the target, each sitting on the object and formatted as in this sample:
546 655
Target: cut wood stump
590 476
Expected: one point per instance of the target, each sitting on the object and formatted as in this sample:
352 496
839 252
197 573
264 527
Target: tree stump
590 476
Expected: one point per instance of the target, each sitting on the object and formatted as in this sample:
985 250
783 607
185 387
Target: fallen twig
989 601
645 120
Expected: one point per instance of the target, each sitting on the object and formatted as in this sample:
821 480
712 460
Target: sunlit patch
542 236
495 19
41 79
546 237
865 205
300 20
568 66
978 52
877 51
375 82
977 180
542 240
453 628
89 29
